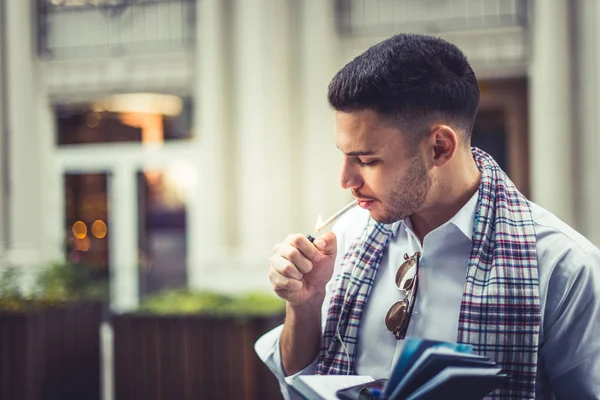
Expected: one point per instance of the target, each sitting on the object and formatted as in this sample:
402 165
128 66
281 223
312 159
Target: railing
191 357
387 17
51 353
100 28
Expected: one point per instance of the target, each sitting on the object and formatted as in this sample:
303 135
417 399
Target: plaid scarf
500 311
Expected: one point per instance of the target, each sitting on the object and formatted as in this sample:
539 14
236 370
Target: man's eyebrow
359 152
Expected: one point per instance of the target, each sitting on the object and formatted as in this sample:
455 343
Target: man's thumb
327 244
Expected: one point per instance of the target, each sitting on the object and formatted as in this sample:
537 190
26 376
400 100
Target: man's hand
299 269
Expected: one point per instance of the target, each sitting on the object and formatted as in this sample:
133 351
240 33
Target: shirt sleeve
570 348
267 348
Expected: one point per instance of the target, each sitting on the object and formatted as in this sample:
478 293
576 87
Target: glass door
162 232
127 164
86 220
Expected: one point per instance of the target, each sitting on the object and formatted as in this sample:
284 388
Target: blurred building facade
173 142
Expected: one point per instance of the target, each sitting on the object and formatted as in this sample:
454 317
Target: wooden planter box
191 357
51 353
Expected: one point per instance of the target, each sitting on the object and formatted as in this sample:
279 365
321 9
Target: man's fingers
294 256
281 282
285 267
283 293
302 243
326 244
293 259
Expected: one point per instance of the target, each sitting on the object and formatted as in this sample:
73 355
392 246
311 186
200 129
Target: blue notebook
429 369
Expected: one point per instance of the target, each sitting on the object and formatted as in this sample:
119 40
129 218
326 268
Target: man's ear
443 142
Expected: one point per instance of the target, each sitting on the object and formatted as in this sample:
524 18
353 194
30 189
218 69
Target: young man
493 269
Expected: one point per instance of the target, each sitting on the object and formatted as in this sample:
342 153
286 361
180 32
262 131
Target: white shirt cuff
268 350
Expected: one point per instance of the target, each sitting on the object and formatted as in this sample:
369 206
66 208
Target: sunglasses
398 316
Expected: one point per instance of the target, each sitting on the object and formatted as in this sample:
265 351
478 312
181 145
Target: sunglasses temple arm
402 333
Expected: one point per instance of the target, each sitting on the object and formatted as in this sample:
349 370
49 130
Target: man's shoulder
558 239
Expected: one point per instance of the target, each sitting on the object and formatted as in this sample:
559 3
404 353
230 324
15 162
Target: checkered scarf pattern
500 311
353 286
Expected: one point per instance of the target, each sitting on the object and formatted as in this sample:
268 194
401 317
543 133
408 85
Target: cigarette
336 216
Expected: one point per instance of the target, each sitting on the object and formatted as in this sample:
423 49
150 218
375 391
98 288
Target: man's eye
365 163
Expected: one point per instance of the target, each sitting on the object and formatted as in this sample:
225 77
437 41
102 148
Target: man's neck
447 201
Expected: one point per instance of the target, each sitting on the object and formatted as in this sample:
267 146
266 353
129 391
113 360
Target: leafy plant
55 284
9 283
212 303
71 281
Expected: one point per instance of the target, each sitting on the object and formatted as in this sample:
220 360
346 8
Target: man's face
389 178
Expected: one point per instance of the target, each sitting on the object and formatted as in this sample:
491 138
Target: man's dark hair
414 79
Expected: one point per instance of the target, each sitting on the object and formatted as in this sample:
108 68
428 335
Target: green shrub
211 303
70 282
9 283
54 285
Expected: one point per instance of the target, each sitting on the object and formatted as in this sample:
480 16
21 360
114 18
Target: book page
326 385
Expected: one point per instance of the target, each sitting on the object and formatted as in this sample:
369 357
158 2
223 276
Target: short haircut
415 80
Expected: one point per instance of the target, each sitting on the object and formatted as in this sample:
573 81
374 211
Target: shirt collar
396 226
463 219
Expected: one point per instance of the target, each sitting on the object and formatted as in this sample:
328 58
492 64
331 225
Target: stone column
3 133
266 112
210 221
24 148
587 183
124 240
320 58
551 122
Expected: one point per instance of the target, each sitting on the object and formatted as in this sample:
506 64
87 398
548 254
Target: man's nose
349 178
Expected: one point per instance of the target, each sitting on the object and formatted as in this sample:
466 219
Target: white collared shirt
569 273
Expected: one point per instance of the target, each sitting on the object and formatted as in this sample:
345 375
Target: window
489 134
139 117
387 17
100 28
162 228
87 220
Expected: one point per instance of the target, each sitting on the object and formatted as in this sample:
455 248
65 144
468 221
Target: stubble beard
409 194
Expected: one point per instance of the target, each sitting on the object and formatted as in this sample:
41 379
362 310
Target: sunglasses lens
405 276
396 316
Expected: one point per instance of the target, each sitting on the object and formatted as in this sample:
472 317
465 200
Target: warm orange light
79 230
83 244
151 125
99 229
153 177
